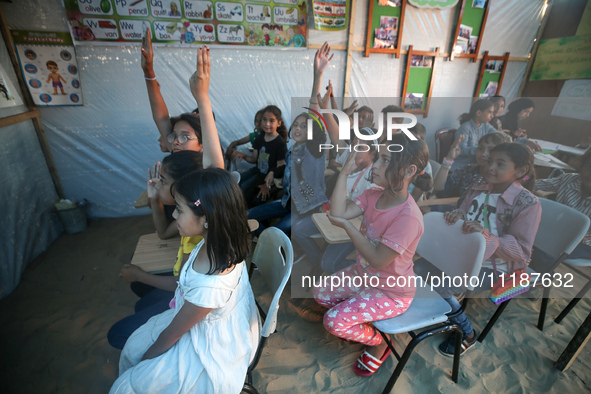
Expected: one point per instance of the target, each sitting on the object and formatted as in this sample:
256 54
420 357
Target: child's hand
131 273
154 180
585 142
321 59
269 179
336 221
472 226
349 165
351 108
455 150
323 101
452 217
199 81
533 145
230 150
238 155
147 55
264 192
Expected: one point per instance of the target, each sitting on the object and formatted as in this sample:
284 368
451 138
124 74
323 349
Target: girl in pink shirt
377 286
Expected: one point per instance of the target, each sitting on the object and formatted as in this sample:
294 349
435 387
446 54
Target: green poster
563 58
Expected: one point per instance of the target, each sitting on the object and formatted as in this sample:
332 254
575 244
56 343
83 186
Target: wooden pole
33 113
534 50
575 346
347 83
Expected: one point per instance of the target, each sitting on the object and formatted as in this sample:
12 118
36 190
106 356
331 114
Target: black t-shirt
270 152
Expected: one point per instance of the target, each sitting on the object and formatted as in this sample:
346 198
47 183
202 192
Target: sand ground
54 325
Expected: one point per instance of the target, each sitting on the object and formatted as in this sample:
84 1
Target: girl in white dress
205 342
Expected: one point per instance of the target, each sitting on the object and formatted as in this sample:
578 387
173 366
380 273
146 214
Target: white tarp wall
103 149
26 194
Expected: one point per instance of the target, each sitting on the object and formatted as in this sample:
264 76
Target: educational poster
574 100
8 95
265 23
49 67
563 58
331 15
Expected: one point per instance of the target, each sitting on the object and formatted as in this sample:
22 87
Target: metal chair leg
573 302
418 339
543 308
493 320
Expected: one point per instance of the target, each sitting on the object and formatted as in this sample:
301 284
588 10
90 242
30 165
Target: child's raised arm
185 319
157 104
199 83
340 207
441 177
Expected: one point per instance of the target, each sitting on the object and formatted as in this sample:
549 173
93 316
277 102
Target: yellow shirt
187 245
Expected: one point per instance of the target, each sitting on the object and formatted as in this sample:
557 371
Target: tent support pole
33 112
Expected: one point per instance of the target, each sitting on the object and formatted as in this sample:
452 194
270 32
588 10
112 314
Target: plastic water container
74 219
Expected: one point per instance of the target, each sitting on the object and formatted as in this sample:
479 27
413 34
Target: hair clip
197 203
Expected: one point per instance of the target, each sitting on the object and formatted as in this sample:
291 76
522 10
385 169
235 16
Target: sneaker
447 347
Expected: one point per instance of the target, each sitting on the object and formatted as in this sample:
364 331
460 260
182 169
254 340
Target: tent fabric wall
103 149
27 194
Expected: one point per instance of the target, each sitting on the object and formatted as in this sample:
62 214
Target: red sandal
367 365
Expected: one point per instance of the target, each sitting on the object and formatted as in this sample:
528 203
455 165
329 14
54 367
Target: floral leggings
352 309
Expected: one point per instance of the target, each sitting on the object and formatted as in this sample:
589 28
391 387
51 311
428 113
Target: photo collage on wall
49 67
386 36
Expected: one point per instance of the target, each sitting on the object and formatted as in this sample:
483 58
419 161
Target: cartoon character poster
267 23
49 67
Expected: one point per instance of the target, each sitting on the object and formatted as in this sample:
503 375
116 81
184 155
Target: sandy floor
53 330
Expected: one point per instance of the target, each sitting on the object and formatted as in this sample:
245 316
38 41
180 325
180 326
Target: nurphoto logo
371 140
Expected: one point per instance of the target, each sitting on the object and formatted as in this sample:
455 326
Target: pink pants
352 309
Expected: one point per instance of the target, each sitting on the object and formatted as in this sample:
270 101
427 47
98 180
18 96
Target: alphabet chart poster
275 24
49 67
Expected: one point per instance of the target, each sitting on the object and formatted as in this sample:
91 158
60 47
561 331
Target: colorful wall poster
574 100
49 67
265 23
331 15
8 95
563 58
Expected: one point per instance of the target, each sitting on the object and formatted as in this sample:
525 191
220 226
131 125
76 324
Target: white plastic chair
440 245
560 231
269 258
435 166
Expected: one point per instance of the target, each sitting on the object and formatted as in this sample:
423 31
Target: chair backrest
443 140
449 249
435 166
274 268
561 228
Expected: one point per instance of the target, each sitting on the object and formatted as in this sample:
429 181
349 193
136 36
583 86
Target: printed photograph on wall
413 101
8 95
386 36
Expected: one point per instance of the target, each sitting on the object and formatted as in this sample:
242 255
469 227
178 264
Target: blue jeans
152 304
332 259
272 210
422 267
